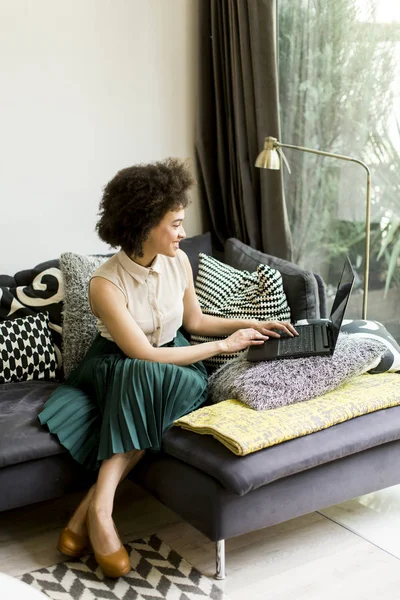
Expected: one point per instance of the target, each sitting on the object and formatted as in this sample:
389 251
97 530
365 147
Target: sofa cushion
35 290
193 246
79 323
272 383
242 474
26 349
300 286
22 437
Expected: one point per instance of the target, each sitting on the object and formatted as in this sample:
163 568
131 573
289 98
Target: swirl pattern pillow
226 292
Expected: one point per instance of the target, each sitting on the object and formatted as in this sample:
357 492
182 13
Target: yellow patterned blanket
244 430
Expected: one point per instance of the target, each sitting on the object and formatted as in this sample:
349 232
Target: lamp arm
367 209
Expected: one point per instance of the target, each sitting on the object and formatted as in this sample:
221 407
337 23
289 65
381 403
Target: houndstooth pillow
26 349
230 293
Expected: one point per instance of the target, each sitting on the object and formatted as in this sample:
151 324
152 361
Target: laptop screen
343 292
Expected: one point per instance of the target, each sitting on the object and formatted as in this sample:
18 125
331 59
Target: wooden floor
310 557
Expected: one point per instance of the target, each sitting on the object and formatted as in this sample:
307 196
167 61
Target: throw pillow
192 246
304 291
390 361
270 384
33 291
79 323
26 349
234 294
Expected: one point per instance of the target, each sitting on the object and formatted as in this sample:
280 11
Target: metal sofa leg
220 560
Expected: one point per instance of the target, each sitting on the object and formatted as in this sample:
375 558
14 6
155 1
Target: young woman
140 373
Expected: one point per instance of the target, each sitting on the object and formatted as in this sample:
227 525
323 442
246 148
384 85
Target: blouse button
157 328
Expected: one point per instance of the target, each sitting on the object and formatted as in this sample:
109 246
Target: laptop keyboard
304 342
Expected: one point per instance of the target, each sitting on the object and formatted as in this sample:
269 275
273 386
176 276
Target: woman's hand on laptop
241 339
256 335
275 328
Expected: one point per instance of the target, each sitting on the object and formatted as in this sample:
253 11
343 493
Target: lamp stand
275 144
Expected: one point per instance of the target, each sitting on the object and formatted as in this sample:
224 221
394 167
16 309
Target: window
339 78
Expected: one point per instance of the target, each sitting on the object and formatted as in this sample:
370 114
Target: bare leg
102 530
77 521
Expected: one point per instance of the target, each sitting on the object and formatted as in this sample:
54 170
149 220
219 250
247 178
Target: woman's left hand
275 328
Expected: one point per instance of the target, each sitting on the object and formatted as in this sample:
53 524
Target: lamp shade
269 157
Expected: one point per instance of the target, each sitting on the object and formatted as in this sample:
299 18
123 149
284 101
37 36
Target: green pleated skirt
112 404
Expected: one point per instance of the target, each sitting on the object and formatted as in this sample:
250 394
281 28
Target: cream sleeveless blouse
154 295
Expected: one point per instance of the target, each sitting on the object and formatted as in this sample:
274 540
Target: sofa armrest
304 291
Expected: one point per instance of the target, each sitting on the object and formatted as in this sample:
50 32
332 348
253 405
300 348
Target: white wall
87 88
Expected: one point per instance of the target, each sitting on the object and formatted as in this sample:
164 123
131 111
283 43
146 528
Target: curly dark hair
138 198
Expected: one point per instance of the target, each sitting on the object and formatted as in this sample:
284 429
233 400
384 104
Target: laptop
317 339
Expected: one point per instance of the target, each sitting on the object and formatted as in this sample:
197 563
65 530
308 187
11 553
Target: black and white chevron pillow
233 294
26 349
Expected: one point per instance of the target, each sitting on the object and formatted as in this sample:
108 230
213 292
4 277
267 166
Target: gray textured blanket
269 384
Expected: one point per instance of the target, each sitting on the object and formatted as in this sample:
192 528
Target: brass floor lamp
270 158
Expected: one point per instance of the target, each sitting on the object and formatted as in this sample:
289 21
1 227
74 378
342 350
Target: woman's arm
108 304
197 323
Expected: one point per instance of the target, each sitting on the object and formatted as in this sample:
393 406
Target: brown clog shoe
117 564
114 565
71 543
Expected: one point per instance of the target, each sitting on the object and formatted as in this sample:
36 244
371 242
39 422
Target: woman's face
164 238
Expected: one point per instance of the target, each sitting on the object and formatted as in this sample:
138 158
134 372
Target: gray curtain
237 108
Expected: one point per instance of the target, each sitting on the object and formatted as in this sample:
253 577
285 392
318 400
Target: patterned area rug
157 572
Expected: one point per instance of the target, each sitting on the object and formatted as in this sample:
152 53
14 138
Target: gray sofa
219 493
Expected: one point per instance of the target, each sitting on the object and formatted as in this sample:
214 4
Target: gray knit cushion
235 294
79 323
269 384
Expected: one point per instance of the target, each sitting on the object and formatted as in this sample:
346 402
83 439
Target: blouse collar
137 271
